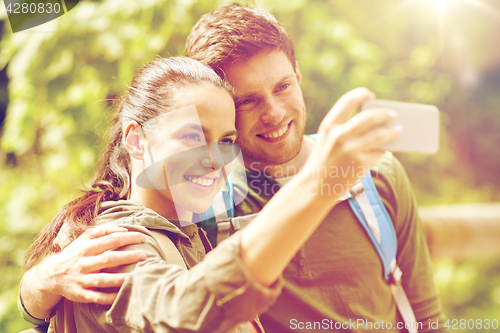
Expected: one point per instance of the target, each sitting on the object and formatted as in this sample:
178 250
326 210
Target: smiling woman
167 156
163 86
190 169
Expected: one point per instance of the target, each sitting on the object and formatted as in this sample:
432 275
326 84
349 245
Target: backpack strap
371 213
366 203
168 247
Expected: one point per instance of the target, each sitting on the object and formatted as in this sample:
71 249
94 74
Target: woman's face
194 143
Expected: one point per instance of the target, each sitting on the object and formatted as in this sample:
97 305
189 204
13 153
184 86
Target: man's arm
75 271
343 142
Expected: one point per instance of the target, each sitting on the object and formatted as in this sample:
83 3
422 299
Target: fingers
112 259
344 107
103 280
375 138
112 241
367 120
103 230
91 296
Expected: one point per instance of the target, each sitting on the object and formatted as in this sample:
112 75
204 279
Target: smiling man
335 282
271 89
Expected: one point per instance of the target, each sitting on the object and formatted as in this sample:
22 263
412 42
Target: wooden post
462 231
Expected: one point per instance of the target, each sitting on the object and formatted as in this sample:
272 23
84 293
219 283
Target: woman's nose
206 162
214 160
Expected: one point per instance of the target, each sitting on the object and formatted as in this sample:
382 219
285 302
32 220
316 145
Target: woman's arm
74 272
292 215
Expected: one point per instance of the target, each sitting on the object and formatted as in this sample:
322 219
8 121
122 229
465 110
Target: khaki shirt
214 295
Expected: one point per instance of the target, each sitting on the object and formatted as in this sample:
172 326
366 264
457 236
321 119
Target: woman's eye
192 137
227 141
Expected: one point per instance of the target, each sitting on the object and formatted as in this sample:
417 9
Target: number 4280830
33 8
455 324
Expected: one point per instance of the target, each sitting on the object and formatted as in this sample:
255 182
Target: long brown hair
148 95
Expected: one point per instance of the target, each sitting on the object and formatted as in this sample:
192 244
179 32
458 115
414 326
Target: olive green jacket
214 295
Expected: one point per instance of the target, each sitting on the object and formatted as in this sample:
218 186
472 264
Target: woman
167 156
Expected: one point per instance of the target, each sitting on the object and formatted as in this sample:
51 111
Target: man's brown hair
236 32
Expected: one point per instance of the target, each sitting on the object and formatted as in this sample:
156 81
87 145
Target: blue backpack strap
314 136
229 196
373 216
387 248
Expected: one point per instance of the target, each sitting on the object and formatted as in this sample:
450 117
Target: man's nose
274 112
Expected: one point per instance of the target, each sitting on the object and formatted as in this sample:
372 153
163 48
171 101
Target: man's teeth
200 181
276 134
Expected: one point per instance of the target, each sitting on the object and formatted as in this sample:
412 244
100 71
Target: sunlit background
58 81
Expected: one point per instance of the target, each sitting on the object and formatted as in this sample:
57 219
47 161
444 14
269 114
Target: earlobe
297 72
133 140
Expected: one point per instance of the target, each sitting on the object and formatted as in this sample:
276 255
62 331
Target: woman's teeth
200 181
276 134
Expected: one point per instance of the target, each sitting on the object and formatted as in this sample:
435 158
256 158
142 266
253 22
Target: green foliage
63 84
469 289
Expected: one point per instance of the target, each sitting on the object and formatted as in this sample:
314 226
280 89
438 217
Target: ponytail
111 182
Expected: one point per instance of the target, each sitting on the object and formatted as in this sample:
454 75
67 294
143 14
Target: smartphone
420 124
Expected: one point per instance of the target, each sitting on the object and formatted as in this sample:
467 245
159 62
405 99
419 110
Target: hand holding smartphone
420 124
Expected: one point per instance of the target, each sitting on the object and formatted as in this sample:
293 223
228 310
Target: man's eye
283 86
245 102
195 137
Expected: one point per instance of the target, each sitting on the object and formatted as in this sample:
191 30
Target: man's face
270 110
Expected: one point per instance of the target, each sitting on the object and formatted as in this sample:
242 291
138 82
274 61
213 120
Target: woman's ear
133 140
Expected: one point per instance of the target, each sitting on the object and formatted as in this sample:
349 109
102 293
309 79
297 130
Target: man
337 276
